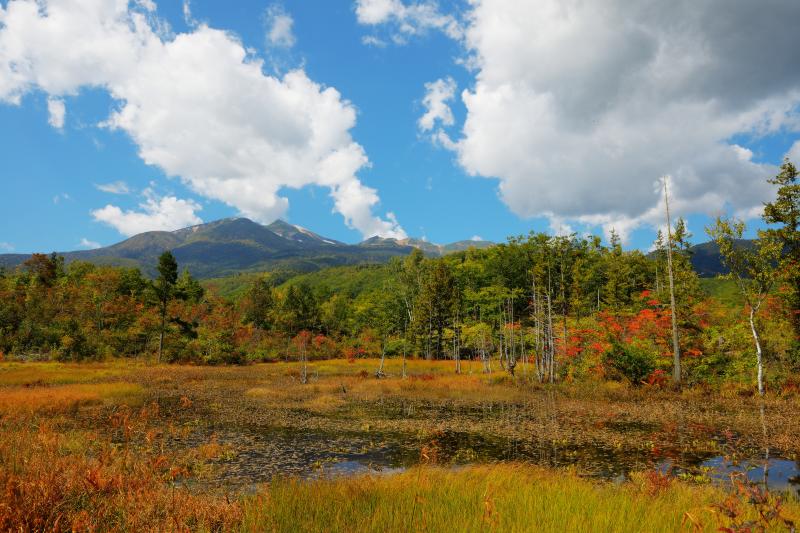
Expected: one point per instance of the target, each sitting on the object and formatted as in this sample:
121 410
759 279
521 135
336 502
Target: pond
257 454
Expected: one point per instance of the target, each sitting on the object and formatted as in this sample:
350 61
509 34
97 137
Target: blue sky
512 155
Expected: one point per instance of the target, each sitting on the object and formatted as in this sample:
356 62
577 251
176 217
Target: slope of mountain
707 261
235 245
428 248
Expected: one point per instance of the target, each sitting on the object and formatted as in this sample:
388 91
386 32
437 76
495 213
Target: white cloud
579 107
6 247
371 40
279 27
56 112
116 187
437 95
198 105
147 5
59 197
91 245
406 20
476 238
794 153
166 213
188 18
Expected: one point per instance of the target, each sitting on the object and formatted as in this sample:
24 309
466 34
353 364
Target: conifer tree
165 289
785 212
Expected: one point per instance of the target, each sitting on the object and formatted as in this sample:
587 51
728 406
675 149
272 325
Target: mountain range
236 245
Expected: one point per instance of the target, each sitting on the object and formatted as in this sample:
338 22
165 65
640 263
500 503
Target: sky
446 120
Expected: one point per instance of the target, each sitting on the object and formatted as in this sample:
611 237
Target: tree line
548 307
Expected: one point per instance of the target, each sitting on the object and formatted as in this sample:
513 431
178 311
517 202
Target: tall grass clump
504 497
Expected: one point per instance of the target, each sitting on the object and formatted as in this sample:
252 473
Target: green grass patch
488 498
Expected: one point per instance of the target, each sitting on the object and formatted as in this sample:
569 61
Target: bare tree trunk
487 367
564 308
430 331
676 351
380 373
551 363
161 333
456 344
404 351
304 375
511 345
759 356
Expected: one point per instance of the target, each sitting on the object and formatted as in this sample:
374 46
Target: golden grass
60 398
49 373
504 497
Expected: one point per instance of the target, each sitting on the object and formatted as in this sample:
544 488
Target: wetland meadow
135 446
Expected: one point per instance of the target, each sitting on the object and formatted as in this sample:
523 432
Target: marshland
123 445
552 383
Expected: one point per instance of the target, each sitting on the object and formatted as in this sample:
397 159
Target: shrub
631 362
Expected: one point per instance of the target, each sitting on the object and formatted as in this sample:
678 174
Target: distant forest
557 307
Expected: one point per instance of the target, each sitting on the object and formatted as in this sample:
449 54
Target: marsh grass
506 497
54 477
50 373
93 447
57 399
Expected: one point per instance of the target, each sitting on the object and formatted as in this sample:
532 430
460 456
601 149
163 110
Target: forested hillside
567 307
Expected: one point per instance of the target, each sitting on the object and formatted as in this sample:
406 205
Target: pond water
259 454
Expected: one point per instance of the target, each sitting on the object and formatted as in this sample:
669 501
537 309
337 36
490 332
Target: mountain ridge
236 245
233 245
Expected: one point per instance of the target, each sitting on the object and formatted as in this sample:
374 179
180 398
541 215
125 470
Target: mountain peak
300 234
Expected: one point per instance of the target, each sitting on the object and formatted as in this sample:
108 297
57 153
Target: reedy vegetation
86 447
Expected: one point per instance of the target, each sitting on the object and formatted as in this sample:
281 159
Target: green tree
335 314
164 287
437 301
259 304
754 270
785 211
300 310
189 289
614 293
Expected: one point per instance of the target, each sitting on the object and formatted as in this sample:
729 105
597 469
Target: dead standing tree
676 351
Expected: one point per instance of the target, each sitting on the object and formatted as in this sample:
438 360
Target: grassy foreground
91 448
496 498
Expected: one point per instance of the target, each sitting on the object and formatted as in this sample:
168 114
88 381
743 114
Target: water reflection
259 454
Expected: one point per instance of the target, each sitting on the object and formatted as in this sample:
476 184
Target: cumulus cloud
794 153
279 27
89 245
198 105
578 108
166 213
406 20
438 94
116 187
56 112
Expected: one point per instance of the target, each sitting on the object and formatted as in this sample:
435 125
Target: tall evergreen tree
785 212
165 290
